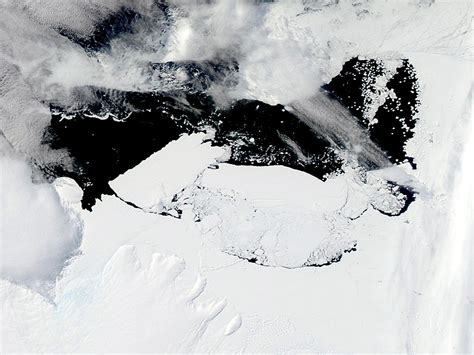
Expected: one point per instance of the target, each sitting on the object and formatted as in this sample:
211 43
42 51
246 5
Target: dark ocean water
107 132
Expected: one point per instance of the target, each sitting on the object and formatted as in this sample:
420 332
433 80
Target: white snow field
131 277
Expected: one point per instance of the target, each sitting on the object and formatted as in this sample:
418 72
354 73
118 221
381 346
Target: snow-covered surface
147 282
257 214
274 216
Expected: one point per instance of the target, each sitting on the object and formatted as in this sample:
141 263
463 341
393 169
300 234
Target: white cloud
37 233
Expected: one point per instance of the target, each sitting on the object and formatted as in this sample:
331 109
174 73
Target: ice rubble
273 216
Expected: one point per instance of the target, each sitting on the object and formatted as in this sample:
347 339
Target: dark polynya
138 124
396 117
134 125
260 134
108 132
